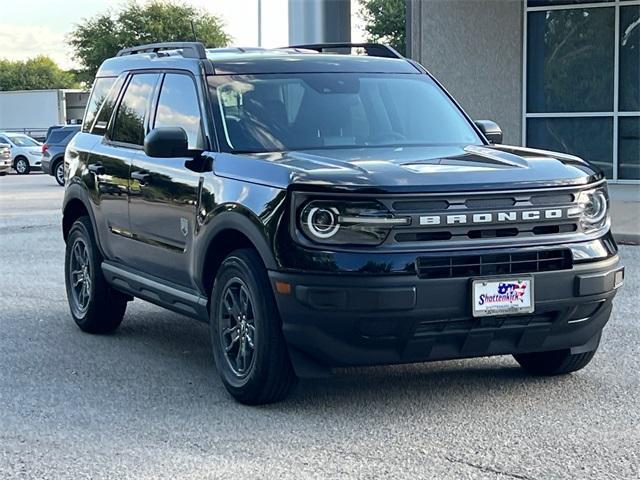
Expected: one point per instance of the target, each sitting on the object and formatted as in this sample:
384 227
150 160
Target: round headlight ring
323 222
594 207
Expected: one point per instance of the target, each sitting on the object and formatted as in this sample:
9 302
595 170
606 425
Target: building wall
474 48
319 21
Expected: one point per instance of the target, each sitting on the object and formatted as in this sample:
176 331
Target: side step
154 290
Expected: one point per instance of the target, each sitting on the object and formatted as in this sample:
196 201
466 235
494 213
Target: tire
58 172
244 322
21 165
95 306
557 362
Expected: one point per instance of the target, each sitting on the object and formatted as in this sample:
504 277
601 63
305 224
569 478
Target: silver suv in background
53 150
25 151
5 158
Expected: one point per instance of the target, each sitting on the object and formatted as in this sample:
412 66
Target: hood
433 168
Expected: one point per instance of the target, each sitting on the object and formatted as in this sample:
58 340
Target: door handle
96 168
142 176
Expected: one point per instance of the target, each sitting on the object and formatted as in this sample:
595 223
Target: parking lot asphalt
146 401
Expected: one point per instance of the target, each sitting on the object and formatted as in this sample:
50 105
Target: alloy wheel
21 166
80 275
236 327
60 173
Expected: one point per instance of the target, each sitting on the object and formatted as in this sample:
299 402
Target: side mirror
167 142
490 130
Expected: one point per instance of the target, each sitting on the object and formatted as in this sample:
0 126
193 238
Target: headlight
347 223
593 208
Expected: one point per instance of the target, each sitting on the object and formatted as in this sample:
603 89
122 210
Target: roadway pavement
146 401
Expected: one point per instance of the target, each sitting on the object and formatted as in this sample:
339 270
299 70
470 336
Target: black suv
321 209
53 150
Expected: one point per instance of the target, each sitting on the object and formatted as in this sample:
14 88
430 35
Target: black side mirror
490 130
167 142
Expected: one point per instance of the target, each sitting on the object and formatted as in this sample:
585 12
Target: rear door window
129 124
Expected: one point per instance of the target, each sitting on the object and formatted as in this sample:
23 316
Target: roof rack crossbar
189 49
371 49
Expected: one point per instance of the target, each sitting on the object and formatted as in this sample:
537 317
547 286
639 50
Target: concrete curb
627 238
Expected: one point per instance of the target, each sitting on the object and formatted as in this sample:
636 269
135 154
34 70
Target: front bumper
5 165
341 320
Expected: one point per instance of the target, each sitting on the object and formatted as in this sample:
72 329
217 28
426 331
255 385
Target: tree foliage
100 37
385 22
34 74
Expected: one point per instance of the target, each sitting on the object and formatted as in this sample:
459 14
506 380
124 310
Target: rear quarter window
58 136
99 93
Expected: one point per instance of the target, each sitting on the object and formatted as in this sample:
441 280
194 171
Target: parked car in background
26 153
53 150
56 127
5 158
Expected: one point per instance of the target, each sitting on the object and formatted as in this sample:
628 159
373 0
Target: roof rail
371 49
235 49
189 49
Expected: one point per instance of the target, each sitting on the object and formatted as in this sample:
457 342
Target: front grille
459 219
486 233
452 266
489 202
420 205
552 199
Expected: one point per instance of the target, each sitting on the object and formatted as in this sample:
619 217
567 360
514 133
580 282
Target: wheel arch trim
56 158
75 193
234 221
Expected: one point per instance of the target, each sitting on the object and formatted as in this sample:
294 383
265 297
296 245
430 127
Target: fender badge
184 226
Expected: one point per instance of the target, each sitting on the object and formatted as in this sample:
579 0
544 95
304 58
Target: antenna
193 31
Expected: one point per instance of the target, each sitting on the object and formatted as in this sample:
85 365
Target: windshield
23 141
264 113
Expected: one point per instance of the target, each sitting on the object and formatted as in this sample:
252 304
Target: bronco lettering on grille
493 217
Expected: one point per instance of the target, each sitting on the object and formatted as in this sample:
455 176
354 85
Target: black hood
411 169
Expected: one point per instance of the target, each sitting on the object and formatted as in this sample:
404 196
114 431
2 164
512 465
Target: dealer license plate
502 296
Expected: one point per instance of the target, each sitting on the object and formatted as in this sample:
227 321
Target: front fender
74 192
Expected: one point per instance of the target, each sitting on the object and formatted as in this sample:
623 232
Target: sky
39 27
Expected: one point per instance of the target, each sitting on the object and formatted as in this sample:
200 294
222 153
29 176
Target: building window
629 148
582 81
630 58
587 137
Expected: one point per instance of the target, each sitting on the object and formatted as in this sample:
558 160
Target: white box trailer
34 111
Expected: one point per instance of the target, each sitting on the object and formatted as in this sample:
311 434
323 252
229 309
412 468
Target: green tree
34 74
100 37
385 22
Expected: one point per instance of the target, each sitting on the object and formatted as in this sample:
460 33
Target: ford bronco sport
323 209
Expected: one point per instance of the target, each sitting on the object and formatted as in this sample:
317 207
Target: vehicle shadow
415 384
161 336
